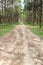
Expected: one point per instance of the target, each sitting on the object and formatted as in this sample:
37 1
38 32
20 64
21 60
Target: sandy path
21 47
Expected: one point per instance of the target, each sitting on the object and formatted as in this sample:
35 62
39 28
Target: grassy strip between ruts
36 30
7 28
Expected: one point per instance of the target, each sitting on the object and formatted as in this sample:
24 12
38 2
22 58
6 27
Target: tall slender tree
40 9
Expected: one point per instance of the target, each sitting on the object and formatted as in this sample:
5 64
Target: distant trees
40 14
37 7
34 8
10 11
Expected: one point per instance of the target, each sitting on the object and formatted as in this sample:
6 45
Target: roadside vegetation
38 31
9 15
7 28
35 29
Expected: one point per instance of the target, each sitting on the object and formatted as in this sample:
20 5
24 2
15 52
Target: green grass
36 30
8 28
27 23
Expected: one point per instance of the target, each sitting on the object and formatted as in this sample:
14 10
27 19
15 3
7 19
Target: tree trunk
40 17
2 7
34 11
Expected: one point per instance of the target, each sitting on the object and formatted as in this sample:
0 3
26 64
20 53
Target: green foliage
27 23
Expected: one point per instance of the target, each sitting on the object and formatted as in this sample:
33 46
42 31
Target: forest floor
21 47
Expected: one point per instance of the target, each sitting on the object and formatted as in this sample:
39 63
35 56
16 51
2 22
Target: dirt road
21 47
